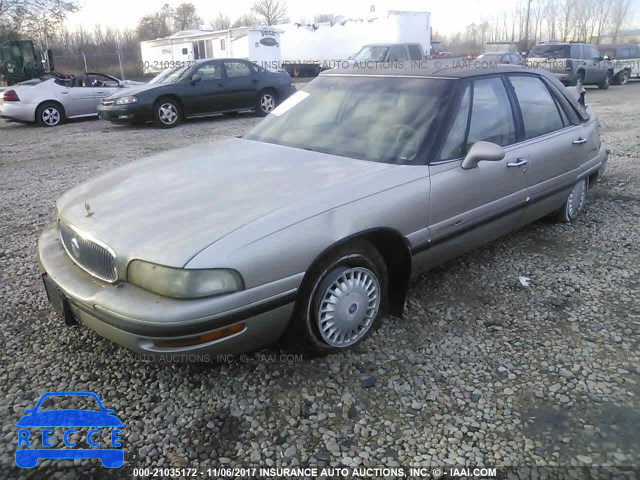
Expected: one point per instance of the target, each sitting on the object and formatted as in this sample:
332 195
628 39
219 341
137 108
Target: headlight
182 282
126 100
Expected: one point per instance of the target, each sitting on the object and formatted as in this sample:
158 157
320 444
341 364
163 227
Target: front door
470 207
207 93
78 99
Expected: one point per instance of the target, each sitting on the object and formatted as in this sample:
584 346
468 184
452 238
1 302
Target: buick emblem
75 246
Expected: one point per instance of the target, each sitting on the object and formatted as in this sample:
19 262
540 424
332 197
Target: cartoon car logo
29 452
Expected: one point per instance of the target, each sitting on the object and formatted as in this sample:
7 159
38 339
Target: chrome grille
107 103
97 259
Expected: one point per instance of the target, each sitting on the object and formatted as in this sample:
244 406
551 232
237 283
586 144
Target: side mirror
605 57
482 151
196 78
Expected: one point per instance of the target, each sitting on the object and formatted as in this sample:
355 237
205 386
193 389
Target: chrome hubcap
348 307
576 200
168 113
51 116
267 103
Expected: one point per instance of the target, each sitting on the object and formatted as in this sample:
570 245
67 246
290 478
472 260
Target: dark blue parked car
196 89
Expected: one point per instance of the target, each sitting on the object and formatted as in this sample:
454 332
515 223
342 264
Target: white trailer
260 45
319 46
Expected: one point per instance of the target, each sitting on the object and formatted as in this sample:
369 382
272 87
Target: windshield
490 57
381 119
550 51
170 75
375 54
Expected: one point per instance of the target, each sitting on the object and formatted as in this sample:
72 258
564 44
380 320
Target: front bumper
138 319
124 113
18 111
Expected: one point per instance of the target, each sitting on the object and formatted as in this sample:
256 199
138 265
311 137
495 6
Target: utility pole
526 28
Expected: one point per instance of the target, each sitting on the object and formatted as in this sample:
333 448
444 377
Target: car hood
167 208
69 418
136 88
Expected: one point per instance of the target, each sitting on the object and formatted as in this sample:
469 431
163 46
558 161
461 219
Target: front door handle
580 141
518 163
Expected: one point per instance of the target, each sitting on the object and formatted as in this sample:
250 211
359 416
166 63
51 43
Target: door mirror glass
482 151
196 78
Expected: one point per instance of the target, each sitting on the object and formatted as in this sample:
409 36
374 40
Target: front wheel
604 84
341 302
167 113
266 103
575 202
623 78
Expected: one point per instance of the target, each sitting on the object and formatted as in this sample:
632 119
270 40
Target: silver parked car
51 100
312 225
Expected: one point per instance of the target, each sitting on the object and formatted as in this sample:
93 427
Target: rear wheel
341 302
267 101
167 113
575 203
49 114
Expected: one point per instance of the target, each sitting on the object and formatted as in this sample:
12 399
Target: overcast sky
448 16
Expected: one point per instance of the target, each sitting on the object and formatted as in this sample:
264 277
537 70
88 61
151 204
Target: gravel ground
481 371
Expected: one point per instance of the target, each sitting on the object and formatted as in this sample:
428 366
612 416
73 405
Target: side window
237 69
398 53
575 51
593 53
454 147
415 52
209 71
539 110
491 115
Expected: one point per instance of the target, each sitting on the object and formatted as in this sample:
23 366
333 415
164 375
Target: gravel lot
481 371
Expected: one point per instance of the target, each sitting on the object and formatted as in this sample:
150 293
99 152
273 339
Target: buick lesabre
310 227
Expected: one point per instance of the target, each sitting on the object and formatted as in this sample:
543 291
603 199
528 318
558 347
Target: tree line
548 20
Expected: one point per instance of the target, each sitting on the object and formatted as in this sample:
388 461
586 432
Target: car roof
446 72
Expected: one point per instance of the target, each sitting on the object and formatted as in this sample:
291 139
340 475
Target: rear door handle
580 141
518 163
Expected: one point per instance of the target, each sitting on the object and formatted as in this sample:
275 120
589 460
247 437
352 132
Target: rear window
551 51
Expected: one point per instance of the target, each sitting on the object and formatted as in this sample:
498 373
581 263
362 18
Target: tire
267 101
352 277
622 78
606 82
167 113
575 203
50 114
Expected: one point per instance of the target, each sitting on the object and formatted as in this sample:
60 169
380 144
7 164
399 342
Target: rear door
551 143
241 85
470 207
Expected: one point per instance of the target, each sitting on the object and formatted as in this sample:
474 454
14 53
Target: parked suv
625 60
574 63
